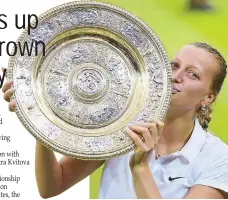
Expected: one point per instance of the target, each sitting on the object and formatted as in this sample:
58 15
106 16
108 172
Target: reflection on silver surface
103 69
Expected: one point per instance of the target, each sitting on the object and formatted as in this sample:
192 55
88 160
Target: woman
177 158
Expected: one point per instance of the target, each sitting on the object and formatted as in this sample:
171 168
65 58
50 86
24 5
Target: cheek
195 91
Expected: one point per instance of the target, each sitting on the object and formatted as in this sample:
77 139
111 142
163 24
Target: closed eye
193 75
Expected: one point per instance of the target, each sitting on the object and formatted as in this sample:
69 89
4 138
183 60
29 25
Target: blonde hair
204 114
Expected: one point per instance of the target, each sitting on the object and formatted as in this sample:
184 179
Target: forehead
190 55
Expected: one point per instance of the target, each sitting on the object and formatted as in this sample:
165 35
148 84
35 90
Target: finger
155 125
12 106
144 124
139 129
8 94
7 86
145 133
160 125
140 144
154 132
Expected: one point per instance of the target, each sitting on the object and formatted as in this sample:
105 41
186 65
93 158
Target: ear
208 99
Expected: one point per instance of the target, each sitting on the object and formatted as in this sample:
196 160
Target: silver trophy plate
104 69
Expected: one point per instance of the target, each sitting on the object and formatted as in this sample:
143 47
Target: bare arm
204 192
144 184
55 177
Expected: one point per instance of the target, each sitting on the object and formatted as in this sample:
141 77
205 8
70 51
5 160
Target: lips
175 90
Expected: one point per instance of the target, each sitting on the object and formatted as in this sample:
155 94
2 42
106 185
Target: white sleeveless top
203 160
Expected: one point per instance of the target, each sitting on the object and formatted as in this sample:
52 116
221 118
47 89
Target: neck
178 128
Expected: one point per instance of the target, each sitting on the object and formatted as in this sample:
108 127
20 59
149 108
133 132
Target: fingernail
130 126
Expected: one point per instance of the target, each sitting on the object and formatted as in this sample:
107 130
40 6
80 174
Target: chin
175 99
174 95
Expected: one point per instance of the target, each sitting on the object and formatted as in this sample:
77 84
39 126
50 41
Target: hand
8 91
145 136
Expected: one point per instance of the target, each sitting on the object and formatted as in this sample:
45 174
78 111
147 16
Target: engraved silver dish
104 69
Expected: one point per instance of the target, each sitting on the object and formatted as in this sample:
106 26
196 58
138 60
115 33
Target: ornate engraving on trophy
100 62
89 81
84 16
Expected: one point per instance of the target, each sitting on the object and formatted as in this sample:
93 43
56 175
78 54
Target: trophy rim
58 148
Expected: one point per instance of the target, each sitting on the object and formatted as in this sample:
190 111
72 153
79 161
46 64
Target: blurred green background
176 26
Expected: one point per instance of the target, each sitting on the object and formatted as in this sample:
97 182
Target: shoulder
212 156
207 143
214 151
214 144
207 146
213 159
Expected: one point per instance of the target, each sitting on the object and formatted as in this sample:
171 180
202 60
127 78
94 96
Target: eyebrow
175 58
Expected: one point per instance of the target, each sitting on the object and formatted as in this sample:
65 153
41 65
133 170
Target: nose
177 76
